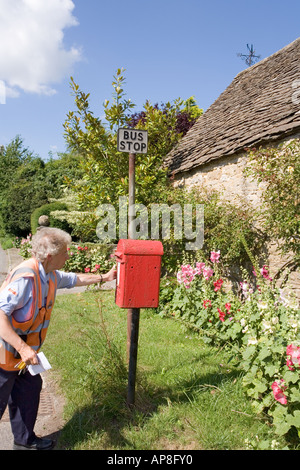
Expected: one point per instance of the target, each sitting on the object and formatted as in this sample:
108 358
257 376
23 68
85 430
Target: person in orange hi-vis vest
27 298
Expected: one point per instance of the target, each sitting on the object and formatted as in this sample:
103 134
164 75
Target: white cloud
33 56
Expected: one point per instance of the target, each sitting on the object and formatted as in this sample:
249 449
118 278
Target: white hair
49 241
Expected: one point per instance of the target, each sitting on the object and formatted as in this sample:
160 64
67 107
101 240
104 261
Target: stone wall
226 176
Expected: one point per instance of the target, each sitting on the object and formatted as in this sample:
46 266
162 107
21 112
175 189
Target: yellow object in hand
21 365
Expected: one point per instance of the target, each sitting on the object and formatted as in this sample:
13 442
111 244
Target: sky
169 49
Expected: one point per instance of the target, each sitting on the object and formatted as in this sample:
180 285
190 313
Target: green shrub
6 243
46 209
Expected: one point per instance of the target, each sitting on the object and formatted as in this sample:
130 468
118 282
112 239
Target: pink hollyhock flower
221 315
278 389
186 275
207 273
218 284
206 303
228 307
265 273
87 270
200 267
214 256
290 364
294 353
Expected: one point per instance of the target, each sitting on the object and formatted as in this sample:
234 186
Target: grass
188 394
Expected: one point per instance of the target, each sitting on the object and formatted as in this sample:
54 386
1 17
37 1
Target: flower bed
87 258
260 326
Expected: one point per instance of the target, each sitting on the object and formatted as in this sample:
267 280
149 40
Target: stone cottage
260 107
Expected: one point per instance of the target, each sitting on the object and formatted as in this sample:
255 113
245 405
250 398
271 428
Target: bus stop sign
132 141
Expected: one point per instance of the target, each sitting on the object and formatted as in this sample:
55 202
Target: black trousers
22 395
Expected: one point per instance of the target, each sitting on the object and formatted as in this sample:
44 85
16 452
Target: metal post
133 314
131 195
134 336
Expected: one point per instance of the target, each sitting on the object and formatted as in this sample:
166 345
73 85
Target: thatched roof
256 108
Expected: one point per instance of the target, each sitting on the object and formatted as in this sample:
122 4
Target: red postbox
138 273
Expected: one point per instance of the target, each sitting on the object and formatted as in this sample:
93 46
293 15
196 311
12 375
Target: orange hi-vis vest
33 330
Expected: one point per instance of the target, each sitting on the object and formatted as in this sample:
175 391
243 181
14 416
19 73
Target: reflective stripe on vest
33 330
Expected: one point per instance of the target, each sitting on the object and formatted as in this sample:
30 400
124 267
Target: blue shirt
16 294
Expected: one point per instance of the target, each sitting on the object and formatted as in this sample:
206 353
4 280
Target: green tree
25 192
20 179
102 166
27 182
105 169
59 171
12 157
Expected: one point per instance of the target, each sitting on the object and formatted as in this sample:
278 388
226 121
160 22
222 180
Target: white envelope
41 367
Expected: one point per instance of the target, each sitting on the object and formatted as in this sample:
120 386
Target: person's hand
111 275
28 355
